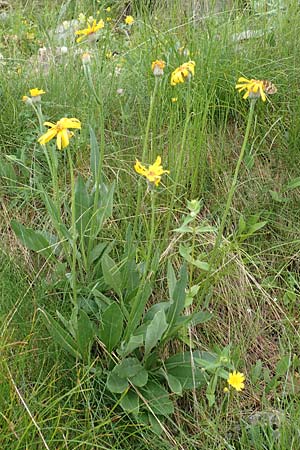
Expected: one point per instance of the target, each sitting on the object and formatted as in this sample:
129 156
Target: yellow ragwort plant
255 88
60 130
183 73
153 173
90 31
236 380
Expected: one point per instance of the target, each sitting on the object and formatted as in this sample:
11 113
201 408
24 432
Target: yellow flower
35 96
225 390
153 173
108 19
108 9
129 20
174 99
36 92
90 31
183 73
255 88
236 380
109 54
158 67
60 130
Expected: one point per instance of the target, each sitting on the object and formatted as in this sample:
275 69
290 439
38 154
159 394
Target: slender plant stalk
235 178
231 192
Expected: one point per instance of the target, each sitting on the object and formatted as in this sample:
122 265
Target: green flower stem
231 192
74 231
38 112
234 181
145 146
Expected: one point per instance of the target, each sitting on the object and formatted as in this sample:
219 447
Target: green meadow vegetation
149 260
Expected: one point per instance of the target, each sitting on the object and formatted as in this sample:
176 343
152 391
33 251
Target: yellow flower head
129 20
153 173
158 67
90 31
236 380
183 73
255 88
36 92
35 96
174 99
60 130
108 9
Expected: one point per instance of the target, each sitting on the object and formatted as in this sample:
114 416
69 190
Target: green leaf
282 366
200 317
201 264
33 240
95 155
155 330
137 310
85 334
111 327
55 215
155 424
171 277
162 306
158 399
293 184
128 368
174 384
97 252
116 384
257 226
111 274
82 206
133 343
140 379
105 206
178 298
61 336
180 366
7 171
256 371
130 402
205 229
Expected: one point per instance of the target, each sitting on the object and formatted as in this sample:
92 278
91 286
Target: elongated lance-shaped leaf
61 336
178 299
137 310
33 240
155 330
83 207
105 206
111 327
